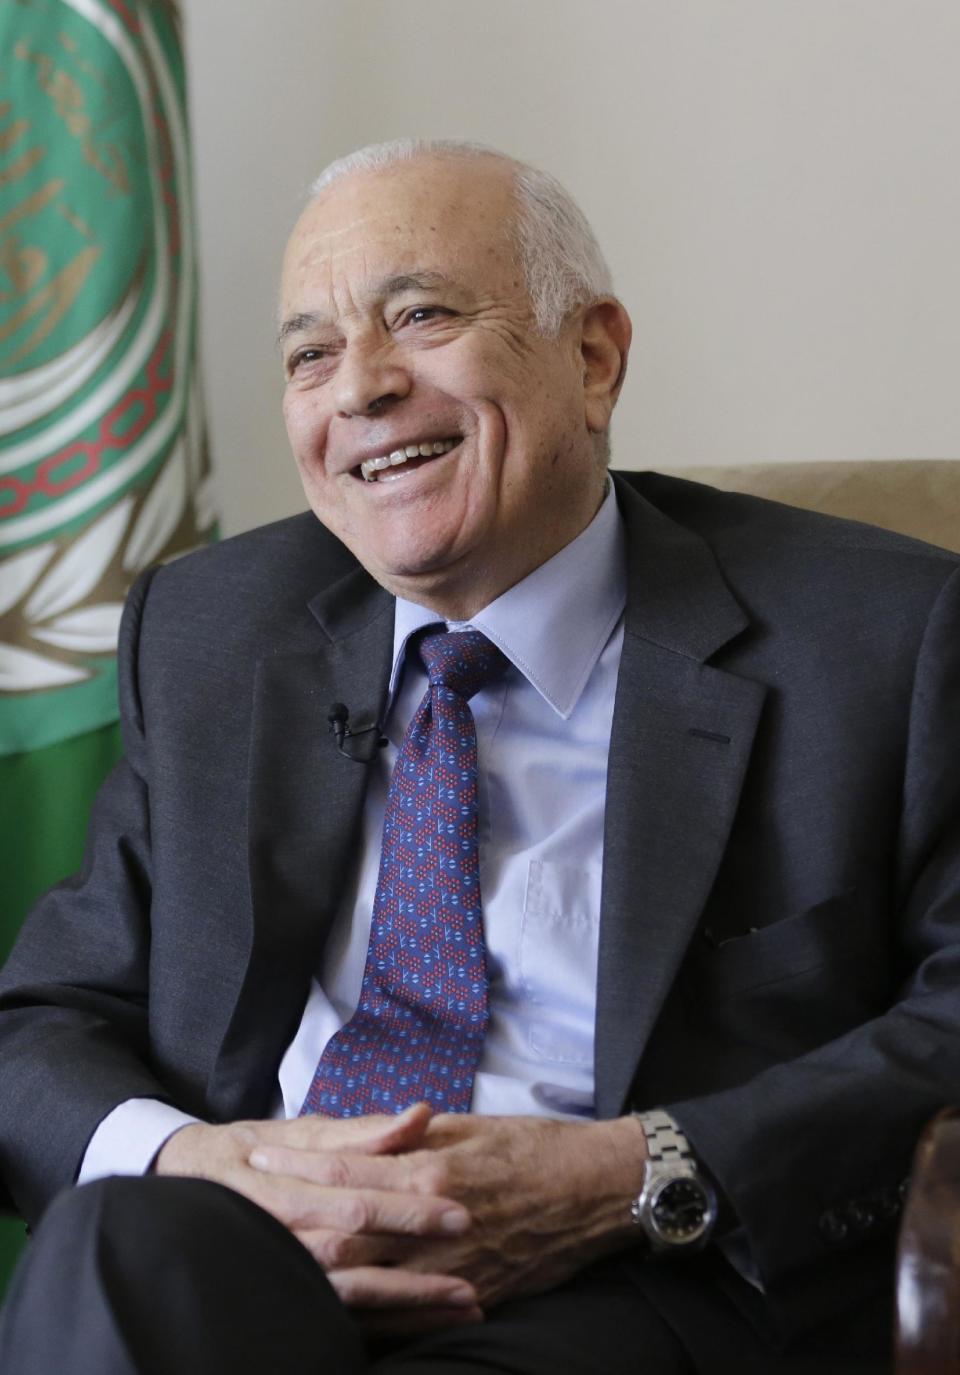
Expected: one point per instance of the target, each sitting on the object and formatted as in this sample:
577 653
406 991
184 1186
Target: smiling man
408 327
588 1024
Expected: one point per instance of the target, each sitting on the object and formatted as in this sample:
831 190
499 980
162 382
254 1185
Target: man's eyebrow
410 281
295 324
381 290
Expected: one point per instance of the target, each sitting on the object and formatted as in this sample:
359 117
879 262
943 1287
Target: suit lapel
305 803
680 743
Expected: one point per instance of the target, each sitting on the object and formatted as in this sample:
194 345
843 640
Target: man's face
406 325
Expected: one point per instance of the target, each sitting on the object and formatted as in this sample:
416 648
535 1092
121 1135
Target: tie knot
463 661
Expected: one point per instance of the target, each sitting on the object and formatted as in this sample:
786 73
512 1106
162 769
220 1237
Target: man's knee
150 1214
180 1274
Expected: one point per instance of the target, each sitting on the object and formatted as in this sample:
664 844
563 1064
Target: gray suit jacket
779 951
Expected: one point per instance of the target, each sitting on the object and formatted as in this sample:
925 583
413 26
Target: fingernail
259 1160
455 1221
463 1296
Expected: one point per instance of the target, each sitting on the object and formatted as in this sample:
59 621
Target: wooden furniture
928 1256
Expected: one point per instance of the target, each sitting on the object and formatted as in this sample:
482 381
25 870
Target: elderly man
588 1025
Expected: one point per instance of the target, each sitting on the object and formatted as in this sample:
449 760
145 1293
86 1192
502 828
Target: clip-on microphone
368 739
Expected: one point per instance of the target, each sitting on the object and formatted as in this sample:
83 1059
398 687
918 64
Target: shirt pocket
557 959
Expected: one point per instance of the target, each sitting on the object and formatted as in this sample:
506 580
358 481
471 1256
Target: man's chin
403 579
435 581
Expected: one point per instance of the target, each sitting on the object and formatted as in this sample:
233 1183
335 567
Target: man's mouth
410 456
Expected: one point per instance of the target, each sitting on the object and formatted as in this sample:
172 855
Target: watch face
680 1211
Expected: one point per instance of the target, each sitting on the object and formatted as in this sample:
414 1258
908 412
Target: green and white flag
103 468
103 462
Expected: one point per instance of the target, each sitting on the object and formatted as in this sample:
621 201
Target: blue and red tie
418 1030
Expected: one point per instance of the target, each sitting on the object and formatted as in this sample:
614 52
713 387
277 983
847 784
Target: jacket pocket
793 985
835 931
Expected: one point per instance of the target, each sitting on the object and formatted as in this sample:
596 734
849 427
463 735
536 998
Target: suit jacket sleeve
812 1151
74 991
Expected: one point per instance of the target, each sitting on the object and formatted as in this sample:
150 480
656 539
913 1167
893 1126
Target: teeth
371 466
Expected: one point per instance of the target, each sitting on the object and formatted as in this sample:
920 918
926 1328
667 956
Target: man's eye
306 356
421 314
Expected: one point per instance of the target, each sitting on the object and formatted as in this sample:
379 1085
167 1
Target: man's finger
369 1135
379 1210
302 1207
341 1250
373 1286
348 1170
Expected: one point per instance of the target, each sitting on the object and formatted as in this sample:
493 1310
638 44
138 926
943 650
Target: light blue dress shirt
543 734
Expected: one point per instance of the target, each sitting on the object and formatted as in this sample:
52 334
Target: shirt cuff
129 1137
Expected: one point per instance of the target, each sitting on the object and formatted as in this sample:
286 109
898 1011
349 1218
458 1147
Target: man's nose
370 374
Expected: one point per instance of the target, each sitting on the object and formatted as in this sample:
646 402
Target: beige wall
776 184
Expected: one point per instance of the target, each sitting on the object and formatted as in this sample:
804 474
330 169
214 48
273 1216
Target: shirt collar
552 625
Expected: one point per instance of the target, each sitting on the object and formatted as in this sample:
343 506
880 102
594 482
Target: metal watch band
670 1165
666 1143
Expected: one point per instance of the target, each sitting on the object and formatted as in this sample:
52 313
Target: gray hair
561 260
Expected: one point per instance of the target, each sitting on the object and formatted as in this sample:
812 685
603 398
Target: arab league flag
103 462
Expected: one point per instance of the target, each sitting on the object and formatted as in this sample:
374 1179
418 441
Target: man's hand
545 1197
354 1179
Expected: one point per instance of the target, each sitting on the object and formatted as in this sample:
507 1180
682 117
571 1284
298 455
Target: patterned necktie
418 1031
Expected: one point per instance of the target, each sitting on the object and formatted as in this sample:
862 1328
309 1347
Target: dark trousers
182 1277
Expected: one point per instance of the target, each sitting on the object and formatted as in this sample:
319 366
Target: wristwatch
677 1206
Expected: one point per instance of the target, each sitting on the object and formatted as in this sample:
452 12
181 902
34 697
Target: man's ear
604 344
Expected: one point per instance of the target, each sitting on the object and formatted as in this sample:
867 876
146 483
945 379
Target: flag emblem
103 461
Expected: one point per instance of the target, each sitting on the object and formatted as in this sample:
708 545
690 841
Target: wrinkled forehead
451 217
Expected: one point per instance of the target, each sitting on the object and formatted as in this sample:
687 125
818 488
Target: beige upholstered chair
919 497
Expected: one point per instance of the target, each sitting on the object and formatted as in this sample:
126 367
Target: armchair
918 497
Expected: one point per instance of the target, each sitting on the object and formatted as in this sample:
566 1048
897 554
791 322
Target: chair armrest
928 1255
